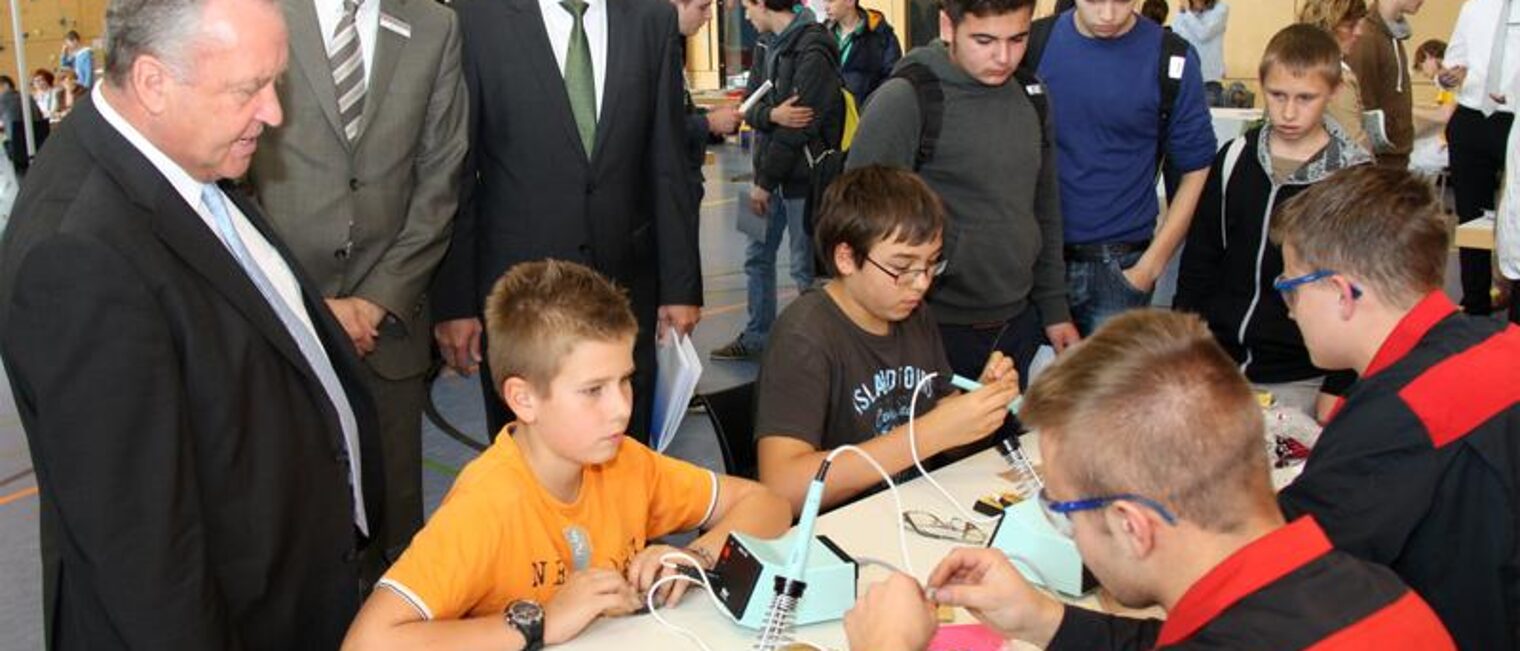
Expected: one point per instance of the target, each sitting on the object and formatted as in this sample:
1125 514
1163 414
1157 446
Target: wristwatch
527 617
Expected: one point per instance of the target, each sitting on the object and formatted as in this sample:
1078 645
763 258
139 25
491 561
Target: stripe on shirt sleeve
407 595
712 504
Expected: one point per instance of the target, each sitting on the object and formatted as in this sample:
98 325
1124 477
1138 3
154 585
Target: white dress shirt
1472 42
558 22
366 20
269 260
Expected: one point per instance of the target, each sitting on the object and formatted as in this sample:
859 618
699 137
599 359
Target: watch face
526 612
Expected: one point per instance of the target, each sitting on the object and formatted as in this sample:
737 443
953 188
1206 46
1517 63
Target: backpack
931 106
1169 73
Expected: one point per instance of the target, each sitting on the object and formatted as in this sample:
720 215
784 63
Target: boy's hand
998 366
1062 335
984 582
646 568
892 616
968 417
588 594
790 116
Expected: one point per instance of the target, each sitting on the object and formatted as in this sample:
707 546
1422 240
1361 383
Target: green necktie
580 81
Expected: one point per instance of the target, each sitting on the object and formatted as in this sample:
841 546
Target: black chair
732 412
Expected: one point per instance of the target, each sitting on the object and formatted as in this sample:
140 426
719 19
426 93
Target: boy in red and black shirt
1155 465
1417 467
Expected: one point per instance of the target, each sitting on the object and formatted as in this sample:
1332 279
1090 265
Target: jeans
1097 289
760 266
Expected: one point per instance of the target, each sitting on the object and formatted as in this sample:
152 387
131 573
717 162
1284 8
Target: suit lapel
619 57
182 230
540 54
309 49
389 47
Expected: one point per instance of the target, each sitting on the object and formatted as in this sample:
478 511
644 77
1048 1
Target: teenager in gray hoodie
993 165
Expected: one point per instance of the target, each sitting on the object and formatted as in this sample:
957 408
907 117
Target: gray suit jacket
371 219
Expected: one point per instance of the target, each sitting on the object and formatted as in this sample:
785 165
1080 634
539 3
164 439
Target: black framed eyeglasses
906 277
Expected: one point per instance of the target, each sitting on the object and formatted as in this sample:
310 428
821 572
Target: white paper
678 367
749 102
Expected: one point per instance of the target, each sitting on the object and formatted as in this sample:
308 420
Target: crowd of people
229 269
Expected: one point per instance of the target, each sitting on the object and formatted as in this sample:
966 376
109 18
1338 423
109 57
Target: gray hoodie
998 183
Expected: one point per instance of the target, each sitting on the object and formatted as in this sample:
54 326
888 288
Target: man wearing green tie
577 153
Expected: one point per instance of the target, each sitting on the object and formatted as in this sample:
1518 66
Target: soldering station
772 586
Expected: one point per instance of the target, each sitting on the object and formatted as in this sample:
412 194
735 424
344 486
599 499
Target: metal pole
23 86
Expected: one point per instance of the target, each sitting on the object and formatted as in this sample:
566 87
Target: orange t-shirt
499 536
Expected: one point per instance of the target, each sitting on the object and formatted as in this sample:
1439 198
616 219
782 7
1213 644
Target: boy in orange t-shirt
547 529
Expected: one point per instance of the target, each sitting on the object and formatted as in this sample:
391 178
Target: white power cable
917 463
902 535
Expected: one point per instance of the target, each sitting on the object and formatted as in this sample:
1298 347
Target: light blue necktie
311 349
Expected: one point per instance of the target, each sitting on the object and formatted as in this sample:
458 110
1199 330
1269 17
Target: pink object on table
965 637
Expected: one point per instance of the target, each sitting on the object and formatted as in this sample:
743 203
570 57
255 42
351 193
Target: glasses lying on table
929 525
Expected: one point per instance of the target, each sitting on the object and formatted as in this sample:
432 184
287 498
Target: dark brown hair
871 204
959 9
1431 49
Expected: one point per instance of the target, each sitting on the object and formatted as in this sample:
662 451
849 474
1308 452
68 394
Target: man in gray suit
361 181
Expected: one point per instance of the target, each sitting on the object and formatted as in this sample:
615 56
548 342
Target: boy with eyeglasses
1419 465
844 362
1154 465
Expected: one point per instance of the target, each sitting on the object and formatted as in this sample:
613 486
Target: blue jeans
760 266
1097 289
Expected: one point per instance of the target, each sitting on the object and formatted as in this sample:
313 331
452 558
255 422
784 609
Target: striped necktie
347 60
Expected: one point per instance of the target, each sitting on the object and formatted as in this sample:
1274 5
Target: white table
866 530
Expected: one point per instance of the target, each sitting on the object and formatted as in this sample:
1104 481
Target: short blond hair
539 311
1382 225
1150 404
1330 14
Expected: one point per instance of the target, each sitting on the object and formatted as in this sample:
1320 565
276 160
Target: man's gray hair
162 28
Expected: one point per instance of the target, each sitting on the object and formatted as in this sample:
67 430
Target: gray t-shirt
825 381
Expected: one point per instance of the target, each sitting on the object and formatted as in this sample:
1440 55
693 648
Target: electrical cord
919 464
669 560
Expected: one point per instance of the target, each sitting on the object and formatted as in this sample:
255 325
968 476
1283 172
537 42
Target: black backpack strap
931 108
1034 89
1039 36
1173 55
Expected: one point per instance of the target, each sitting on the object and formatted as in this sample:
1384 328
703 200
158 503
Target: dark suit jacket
534 195
193 477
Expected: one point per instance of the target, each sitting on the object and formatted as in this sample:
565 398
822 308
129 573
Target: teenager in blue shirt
1101 66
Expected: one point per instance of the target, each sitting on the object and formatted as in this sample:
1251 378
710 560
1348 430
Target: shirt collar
1248 570
1410 330
553 5
183 182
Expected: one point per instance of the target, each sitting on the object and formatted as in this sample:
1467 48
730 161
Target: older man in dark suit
206 453
577 153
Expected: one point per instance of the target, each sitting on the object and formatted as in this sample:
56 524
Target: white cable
913 447
902 535
668 560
